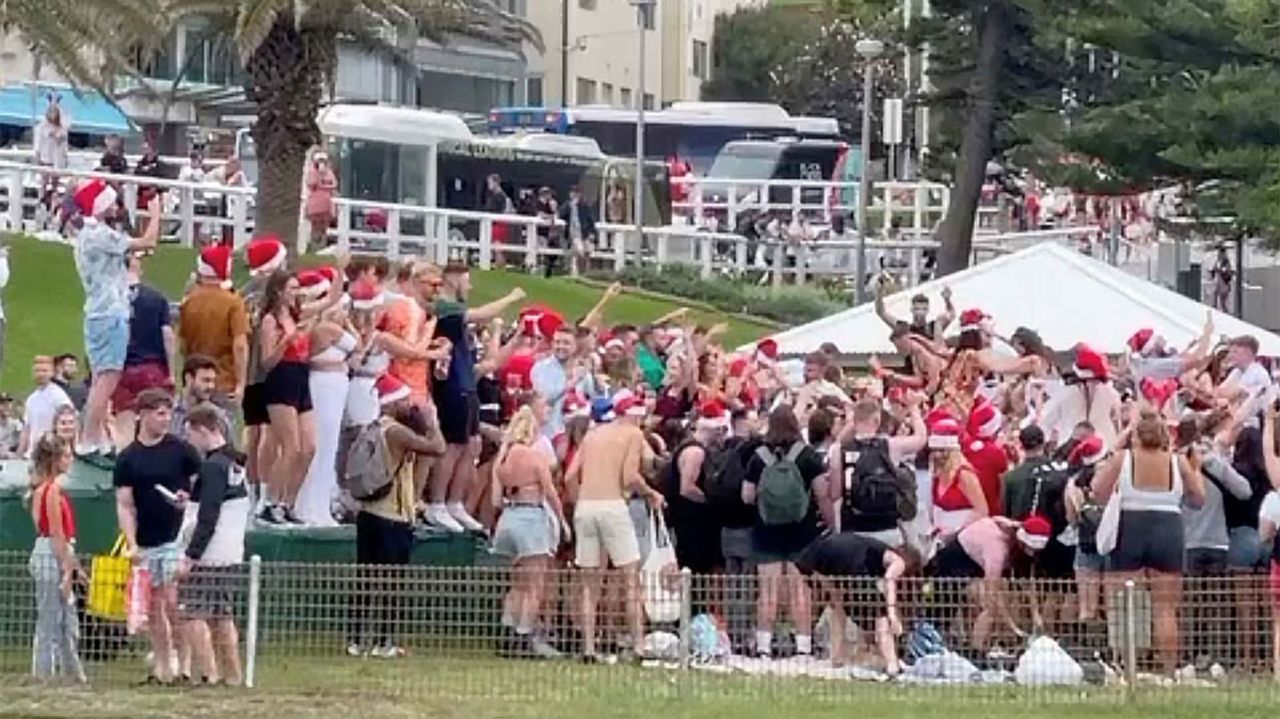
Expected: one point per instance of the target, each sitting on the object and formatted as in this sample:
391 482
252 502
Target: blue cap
602 409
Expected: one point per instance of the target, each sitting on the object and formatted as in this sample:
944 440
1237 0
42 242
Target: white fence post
251 624
393 234
619 240
187 211
706 251
344 228
15 199
486 243
662 249
531 248
239 205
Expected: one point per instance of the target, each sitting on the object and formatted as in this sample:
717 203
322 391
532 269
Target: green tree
748 45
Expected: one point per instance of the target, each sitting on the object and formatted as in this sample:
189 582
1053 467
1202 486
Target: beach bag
1108 533
108 579
659 575
782 496
138 600
367 476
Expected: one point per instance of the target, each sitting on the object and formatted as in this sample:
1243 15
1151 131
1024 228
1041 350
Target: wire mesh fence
537 632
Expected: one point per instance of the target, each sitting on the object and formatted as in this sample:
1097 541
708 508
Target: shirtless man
604 472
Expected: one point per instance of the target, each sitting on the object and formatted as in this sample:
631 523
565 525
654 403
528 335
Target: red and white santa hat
739 366
1144 342
94 198
332 275
538 321
975 319
391 389
366 296
984 419
214 263
713 414
576 404
265 255
627 404
1035 532
944 432
313 283
1091 364
1088 452
767 348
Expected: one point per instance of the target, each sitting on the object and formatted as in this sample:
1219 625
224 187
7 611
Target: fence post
15 200
779 261
1130 641
662 250
531 248
344 229
740 258
393 233
251 628
686 616
186 208
486 243
240 218
731 210
619 240
705 248
802 261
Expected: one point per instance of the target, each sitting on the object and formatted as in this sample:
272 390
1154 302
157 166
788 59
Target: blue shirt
101 260
550 380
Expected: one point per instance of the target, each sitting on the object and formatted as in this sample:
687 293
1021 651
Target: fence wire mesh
542 633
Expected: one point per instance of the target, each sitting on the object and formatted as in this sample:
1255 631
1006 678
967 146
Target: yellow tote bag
108 576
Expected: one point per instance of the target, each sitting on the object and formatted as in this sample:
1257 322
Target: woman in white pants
332 346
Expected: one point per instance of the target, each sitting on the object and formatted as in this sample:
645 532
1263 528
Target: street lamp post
869 50
644 8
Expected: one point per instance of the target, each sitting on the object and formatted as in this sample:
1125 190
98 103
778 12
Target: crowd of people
377 395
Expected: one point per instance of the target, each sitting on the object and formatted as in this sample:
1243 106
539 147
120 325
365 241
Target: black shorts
1056 561
210 592
952 562
459 417
1148 540
288 384
255 406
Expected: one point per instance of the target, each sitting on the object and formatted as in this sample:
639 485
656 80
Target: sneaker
460 515
354 650
438 515
293 519
272 514
387 651
541 649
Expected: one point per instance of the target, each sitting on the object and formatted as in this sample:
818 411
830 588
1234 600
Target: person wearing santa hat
384 526
604 474
214 322
1151 358
958 499
974 359
1084 513
984 451
1087 396
692 521
101 256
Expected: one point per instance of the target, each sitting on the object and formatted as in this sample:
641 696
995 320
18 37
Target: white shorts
604 531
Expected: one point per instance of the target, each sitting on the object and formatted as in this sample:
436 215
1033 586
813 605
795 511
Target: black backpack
712 462
874 487
723 472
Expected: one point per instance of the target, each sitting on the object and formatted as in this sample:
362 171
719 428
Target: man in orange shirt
213 322
410 340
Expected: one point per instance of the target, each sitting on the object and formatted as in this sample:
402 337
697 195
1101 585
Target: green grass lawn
44 298
342 687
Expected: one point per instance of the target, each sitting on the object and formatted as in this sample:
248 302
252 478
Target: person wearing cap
973 360
1088 396
958 498
604 473
983 449
264 255
213 321
384 526
697 534
456 400
102 261
1084 513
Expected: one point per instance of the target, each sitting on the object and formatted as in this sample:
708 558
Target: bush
789 305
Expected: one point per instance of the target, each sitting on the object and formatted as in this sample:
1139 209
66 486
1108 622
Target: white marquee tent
1065 296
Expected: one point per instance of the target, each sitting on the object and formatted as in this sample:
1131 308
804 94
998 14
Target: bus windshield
746 163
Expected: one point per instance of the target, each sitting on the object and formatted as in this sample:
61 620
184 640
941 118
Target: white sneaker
459 514
386 652
438 515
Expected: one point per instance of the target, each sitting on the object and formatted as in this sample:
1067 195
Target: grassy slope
43 302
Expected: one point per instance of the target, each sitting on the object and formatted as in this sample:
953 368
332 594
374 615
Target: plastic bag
1047 664
138 599
661 594
1109 526
707 641
663 646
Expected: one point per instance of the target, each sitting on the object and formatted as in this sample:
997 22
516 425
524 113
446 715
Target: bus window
746 162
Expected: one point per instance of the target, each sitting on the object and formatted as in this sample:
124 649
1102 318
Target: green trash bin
92 498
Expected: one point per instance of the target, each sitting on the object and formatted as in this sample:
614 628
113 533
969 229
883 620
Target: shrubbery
789 305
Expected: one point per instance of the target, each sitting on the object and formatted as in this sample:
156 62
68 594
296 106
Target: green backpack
782 496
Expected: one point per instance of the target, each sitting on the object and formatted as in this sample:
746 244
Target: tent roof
1065 296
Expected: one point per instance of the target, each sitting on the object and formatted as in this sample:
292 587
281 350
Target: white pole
638 207
926 11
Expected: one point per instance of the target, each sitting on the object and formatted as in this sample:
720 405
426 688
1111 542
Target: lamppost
869 50
644 10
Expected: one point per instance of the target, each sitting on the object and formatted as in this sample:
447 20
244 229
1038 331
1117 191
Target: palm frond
254 21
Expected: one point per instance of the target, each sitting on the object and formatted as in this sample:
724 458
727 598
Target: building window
606 93
624 97
533 91
586 91
648 101
700 59
587 4
648 16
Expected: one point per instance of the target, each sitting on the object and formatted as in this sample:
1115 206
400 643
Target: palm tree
289 49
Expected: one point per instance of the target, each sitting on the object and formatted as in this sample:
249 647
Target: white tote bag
1109 525
659 575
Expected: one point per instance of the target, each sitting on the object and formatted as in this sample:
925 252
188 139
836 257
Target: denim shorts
1090 561
161 562
1246 550
106 341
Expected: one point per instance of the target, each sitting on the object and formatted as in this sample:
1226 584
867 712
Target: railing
465 632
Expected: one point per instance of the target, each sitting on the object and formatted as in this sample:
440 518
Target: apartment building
592 50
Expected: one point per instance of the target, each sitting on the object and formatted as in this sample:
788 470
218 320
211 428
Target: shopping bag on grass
138 599
660 575
108 579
